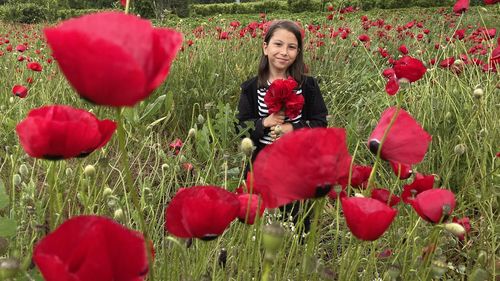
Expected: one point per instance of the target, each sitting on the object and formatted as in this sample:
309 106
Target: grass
202 91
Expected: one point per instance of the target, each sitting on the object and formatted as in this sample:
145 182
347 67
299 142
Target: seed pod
16 179
460 149
478 93
89 171
247 146
23 170
9 268
272 237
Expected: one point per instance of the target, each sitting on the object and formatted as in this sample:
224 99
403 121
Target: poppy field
121 156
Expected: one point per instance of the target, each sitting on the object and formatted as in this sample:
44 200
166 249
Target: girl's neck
273 75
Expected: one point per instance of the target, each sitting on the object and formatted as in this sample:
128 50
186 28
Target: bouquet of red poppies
280 96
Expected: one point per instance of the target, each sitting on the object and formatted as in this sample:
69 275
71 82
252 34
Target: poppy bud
200 119
107 192
438 268
460 149
192 132
359 195
247 146
478 93
11 99
4 246
16 179
23 170
9 268
272 237
447 116
69 171
165 166
454 228
89 170
209 105
118 215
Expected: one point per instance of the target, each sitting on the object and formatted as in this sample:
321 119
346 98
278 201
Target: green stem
129 186
127 6
51 180
267 271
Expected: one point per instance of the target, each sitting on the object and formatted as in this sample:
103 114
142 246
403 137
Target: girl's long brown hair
296 70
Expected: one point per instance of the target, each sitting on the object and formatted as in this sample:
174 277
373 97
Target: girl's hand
280 130
274 119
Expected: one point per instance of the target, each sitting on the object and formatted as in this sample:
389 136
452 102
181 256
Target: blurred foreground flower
367 218
434 205
406 142
59 132
285 172
201 212
111 58
92 248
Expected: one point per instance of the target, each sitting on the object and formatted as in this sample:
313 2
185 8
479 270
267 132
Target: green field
202 92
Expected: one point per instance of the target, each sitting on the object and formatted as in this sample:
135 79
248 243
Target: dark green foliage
298 6
71 13
145 8
180 7
24 12
243 8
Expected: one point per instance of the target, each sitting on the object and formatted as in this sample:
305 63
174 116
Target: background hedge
34 11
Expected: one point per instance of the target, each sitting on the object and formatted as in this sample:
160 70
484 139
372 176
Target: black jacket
313 113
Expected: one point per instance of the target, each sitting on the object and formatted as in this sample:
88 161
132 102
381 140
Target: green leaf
4 198
8 227
153 107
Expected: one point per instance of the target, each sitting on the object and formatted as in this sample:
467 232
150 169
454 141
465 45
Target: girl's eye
277 44
292 47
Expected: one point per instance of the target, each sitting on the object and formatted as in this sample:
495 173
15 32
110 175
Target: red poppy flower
392 86
280 95
448 62
300 165
367 218
498 154
21 48
384 195
406 141
20 91
176 145
109 64
403 49
465 222
58 132
359 176
249 203
123 2
92 248
420 184
35 66
403 171
491 2
364 38
409 68
201 212
434 205
461 6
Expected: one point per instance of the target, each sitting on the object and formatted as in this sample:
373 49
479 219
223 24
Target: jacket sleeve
247 113
314 111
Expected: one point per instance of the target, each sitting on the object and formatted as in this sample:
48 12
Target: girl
282 56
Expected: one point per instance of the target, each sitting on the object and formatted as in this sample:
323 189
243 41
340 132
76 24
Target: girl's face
281 50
